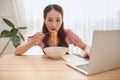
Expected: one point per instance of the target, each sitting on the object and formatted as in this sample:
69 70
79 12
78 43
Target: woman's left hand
87 52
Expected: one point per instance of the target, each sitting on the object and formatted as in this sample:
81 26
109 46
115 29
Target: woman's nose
54 23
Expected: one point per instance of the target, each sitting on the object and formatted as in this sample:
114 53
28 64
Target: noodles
54 37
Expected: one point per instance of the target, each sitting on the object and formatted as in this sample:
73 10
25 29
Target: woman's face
53 20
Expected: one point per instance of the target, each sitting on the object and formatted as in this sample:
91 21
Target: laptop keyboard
83 67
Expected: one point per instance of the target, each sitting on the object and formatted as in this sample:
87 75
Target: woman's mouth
53 29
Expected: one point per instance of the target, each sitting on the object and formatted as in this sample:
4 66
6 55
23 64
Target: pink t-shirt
71 38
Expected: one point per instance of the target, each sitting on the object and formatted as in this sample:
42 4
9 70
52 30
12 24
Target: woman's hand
85 48
36 39
87 52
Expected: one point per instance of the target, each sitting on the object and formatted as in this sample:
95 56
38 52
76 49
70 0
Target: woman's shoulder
68 30
70 33
71 37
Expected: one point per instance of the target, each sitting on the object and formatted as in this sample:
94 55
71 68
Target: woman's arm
35 40
23 48
72 38
85 48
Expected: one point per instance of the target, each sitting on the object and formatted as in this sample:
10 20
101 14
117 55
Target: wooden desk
43 68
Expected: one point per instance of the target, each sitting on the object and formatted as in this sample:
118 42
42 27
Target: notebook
105 53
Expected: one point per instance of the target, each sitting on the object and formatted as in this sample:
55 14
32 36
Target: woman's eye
58 20
50 20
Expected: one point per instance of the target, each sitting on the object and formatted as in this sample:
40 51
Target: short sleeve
72 38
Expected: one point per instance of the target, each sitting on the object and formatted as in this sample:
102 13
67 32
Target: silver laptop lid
105 51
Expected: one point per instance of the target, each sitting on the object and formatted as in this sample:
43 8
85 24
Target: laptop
105 53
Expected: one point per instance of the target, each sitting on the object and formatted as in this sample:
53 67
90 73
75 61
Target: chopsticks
54 37
33 36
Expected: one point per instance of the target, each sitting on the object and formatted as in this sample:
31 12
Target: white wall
6 11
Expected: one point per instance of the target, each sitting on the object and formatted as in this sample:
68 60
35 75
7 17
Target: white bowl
55 52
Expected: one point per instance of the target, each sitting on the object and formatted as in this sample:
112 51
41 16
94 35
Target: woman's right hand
36 39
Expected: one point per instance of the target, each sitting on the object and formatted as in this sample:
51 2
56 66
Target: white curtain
82 16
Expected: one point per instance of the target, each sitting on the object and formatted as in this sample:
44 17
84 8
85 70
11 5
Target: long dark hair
61 33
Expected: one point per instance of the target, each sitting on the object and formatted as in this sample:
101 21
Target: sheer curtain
82 16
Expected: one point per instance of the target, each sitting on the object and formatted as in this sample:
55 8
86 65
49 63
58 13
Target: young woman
53 27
